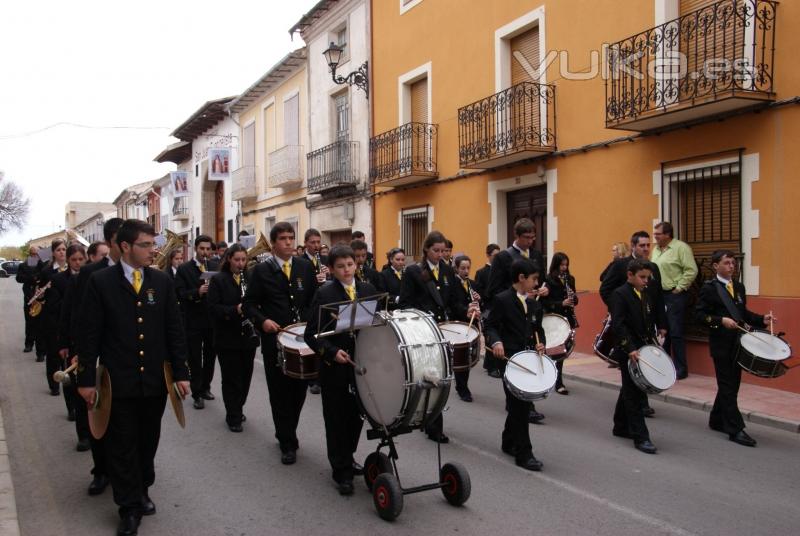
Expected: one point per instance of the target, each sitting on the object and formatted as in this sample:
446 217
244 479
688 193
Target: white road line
638 516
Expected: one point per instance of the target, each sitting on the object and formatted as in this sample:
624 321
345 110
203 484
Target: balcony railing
404 155
333 166
713 60
180 208
243 183
507 127
285 166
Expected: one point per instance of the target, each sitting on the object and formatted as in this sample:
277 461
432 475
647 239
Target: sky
146 64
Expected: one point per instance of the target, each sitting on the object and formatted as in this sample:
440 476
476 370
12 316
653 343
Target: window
291 121
230 231
341 106
419 101
341 40
269 222
414 225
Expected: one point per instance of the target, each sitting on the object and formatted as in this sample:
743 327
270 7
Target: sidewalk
9 525
761 405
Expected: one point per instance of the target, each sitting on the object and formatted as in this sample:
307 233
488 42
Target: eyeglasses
145 245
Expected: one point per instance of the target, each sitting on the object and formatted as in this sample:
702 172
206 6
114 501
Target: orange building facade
596 119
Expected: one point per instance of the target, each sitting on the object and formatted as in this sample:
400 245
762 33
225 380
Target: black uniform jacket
187 285
66 337
616 275
711 309
508 323
462 301
271 296
482 281
224 295
28 276
133 335
371 276
554 301
78 313
316 264
392 285
633 320
500 274
422 291
332 292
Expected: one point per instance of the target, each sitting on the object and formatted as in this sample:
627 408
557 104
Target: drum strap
728 302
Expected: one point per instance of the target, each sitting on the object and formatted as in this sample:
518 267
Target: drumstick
290 332
472 319
640 358
541 361
770 323
358 369
450 331
523 367
754 334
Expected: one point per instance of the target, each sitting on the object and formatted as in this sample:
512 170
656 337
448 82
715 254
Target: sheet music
364 315
207 275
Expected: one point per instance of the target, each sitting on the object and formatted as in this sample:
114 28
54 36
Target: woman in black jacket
561 300
235 339
393 275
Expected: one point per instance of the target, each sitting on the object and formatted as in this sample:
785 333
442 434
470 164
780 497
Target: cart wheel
375 464
387 496
456 484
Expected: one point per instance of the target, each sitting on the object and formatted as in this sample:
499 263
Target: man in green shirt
678 268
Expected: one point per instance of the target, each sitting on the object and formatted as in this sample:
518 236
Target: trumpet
34 305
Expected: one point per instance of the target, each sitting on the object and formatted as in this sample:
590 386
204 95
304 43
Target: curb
693 403
9 523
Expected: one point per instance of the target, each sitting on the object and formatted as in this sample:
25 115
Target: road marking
638 516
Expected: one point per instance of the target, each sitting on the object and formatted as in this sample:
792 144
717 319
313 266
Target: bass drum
408 370
559 335
605 341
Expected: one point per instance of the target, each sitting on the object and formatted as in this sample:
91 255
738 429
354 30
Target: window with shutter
419 101
291 121
524 55
413 230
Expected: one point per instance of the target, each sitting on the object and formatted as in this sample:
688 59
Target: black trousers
286 398
201 359
462 381
628 415
30 333
516 437
725 414
236 367
343 421
131 443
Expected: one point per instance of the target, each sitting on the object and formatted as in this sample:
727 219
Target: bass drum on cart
403 359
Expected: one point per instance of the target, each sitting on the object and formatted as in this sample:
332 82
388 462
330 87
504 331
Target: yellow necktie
360 274
237 278
525 254
351 292
465 285
287 269
729 287
399 275
638 294
314 260
524 302
436 273
137 280
202 267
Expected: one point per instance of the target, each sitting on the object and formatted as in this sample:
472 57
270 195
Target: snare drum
403 359
605 341
654 371
761 354
559 336
527 386
296 359
465 341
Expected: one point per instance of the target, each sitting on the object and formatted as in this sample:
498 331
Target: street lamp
358 78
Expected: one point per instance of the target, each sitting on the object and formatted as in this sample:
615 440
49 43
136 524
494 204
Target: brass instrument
34 305
73 236
173 242
262 246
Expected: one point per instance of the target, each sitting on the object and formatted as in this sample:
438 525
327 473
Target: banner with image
219 163
180 183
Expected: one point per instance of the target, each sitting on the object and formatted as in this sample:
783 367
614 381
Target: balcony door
415 145
520 121
341 103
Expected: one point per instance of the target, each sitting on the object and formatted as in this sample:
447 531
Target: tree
14 206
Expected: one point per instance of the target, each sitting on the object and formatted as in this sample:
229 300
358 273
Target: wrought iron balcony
404 155
243 183
333 166
515 124
711 61
180 208
285 167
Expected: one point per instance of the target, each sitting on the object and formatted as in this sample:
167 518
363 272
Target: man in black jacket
192 288
134 326
722 306
339 405
312 241
364 272
28 274
279 294
482 275
634 319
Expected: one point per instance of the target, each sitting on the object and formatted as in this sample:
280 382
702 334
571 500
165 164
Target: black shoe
148 506
621 433
439 438
742 438
315 389
530 463
128 525
645 446
235 427
28 349
39 358
535 417
98 485
358 469
682 376
648 411
345 487
207 395
562 390
199 403
55 391
71 415
289 457
83 445
495 374
466 397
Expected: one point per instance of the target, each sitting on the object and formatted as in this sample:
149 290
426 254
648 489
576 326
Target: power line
77 125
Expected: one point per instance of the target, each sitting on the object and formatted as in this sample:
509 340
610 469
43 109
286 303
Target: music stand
349 316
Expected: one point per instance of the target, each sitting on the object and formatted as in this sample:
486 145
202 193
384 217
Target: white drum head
295 340
545 369
556 330
458 333
656 366
766 346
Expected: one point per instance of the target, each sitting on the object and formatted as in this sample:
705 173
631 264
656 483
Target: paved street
213 482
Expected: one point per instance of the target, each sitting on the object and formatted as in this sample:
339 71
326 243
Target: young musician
634 319
47 326
392 275
722 306
97 251
339 405
235 340
447 254
465 310
359 235
133 324
562 301
28 274
364 272
513 324
279 294
482 275
174 260
430 286
192 289
313 243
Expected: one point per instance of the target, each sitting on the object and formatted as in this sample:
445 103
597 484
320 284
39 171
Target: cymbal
174 395
100 413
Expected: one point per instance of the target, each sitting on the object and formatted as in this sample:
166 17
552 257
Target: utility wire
76 125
